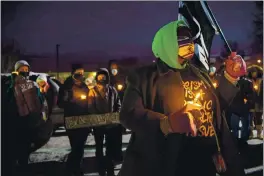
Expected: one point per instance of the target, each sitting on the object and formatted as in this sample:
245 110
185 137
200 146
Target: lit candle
215 84
196 97
119 86
194 102
255 87
83 97
245 100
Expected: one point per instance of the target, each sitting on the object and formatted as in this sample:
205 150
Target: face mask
212 71
24 74
186 51
102 82
114 72
78 77
101 79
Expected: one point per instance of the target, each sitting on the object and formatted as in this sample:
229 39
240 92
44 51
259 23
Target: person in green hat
175 112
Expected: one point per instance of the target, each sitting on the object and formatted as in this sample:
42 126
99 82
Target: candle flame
215 84
256 87
119 86
83 97
196 97
191 102
245 100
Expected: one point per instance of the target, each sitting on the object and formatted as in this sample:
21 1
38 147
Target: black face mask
78 77
102 82
24 74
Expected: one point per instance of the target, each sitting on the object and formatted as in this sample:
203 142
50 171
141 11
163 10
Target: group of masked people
77 99
26 109
175 112
27 105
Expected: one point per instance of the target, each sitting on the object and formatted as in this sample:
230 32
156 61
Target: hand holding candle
184 121
191 105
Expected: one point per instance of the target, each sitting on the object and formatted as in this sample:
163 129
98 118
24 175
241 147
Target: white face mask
114 72
212 70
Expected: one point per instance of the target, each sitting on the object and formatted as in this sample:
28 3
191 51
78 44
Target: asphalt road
49 160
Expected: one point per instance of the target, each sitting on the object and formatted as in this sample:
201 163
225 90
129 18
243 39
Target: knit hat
21 63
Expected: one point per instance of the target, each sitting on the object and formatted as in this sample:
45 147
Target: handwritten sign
91 120
193 88
26 86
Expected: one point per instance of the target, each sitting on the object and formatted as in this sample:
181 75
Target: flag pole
228 48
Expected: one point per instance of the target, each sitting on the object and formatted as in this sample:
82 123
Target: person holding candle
176 115
73 99
104 98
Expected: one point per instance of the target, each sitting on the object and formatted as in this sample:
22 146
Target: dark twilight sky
110 28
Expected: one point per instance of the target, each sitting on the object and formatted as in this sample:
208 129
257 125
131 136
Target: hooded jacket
105 72
104 102
155 91
165 45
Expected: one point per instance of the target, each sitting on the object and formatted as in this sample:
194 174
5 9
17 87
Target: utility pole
57 60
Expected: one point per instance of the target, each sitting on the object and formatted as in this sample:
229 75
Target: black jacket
246 92
143 107
70 98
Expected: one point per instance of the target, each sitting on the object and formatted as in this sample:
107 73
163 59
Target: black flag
201 21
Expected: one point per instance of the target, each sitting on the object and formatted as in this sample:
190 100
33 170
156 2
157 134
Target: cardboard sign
91 120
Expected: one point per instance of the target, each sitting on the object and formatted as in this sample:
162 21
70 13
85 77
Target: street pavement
49 160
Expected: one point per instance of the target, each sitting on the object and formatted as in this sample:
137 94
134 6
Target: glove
235 66
181 122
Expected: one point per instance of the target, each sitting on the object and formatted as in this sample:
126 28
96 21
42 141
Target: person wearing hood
26 115
43 84
175 113
105 99
73 99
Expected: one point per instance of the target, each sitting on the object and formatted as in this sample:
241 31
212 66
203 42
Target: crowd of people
28 100
181 116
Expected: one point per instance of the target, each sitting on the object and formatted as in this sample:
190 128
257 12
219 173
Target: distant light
119 87
259 61
154 61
